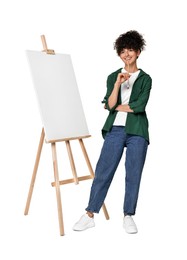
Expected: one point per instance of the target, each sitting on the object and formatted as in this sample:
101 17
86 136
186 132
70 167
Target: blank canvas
58 96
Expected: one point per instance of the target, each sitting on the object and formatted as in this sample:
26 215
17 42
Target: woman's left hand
124 108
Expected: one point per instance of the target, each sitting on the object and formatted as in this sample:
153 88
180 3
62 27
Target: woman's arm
112 100
139 105
124 108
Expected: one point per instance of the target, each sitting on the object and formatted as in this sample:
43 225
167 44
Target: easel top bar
48 51
68 139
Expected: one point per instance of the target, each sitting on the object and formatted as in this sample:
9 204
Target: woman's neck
131 68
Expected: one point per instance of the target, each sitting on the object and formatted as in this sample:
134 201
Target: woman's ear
138 54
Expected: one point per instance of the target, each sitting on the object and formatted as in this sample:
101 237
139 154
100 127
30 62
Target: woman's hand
122 77
124 108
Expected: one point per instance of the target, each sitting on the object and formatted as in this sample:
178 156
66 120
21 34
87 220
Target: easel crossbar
82 178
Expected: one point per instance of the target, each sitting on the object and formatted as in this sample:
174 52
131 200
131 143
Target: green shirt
136 122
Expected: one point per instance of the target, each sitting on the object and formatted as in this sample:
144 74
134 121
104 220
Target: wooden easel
56 182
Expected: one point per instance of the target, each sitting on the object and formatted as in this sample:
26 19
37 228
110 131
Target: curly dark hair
129 40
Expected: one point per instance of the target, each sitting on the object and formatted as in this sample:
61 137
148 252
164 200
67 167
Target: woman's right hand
122 77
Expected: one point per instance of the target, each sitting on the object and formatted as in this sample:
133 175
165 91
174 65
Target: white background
87 30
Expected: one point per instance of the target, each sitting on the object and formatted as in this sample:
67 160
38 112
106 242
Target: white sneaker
129 225
84 223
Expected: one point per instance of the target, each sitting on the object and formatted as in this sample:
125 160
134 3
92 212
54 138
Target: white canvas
58 95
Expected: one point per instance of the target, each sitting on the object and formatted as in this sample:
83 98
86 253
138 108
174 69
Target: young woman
126 126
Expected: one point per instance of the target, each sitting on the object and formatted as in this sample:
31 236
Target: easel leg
57 186
92 173
72 162
34 172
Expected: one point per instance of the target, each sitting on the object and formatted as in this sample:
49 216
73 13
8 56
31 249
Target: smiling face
129 56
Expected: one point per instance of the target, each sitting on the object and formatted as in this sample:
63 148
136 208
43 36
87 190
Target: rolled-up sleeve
110 85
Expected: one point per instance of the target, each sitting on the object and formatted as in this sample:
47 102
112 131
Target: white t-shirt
126 89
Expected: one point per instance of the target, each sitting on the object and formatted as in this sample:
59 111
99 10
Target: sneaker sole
82 229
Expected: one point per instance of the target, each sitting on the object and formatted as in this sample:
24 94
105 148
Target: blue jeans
111 153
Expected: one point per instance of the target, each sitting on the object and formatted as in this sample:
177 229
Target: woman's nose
126 52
